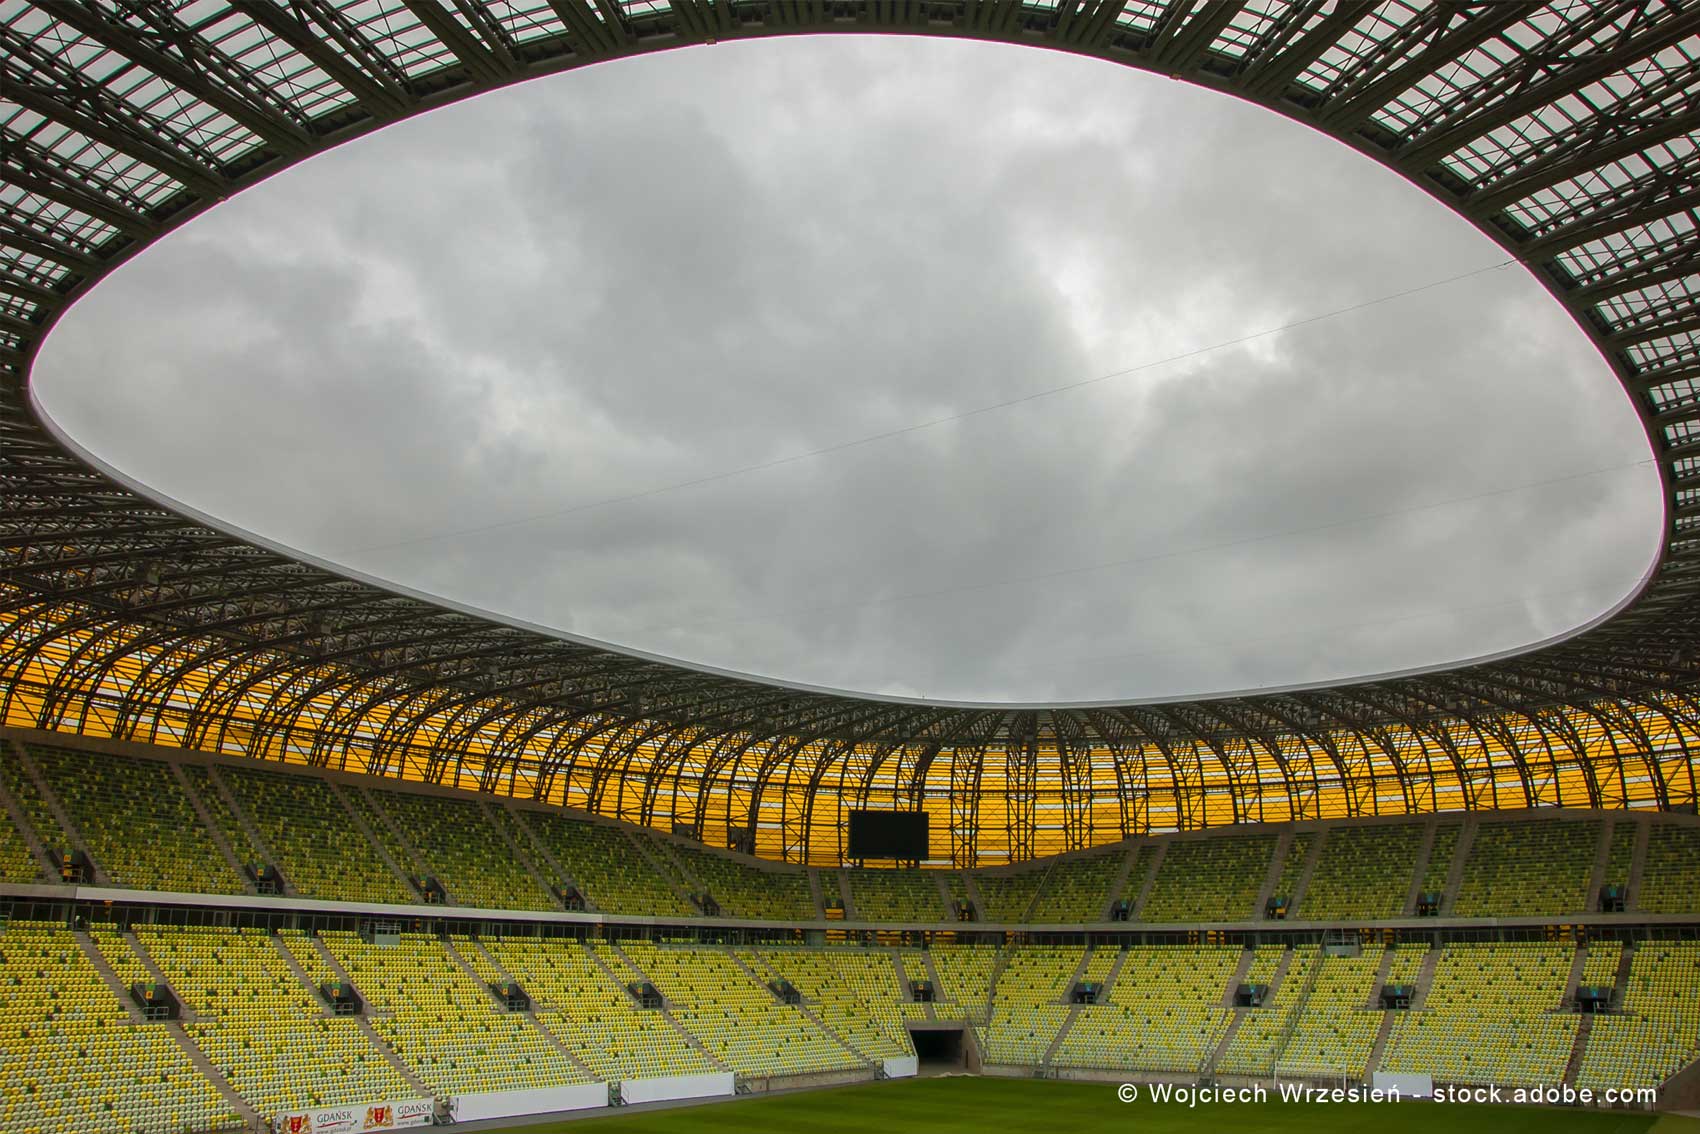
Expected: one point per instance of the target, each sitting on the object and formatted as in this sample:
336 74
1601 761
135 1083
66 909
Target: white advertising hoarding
664 1087
541 1100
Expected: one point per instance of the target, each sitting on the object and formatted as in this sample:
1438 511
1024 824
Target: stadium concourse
196 942
285 847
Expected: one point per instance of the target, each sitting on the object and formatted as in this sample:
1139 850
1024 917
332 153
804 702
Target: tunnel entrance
939 1049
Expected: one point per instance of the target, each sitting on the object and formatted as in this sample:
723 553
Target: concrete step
1573 1065
14 811
371 836
1425 850
214 831
1147 883
1272 875
206 1068
1318 847
57 809
1460 857
108 974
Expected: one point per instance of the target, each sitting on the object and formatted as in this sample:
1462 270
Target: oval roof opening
934 369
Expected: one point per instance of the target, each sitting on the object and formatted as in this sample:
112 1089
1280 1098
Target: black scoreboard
888 834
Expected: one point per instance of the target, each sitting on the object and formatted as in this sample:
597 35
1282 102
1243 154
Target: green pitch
988 1106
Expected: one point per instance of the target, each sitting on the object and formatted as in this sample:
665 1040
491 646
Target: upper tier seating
318 848
1293 865
1446 838
1670 880
17 864
606 866
1078 889
1522 869
740 889
1008 896
137 823
1210 879
35 810
896 895
1364 873
202 785
457 844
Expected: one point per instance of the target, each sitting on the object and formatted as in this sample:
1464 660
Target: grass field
934 1106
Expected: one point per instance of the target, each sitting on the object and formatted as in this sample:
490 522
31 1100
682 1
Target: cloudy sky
552 353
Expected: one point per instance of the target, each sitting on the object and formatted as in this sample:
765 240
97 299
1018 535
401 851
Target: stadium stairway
205 1066
108 975
1573 1066
1638 863
1602 861
389 834
671 877
1242 1014
1118 884
1382 972
541 852
1300 1006
942 882
293 963
485 962
815 896
1248 957
1620 983
1577 964
802 1006
14 813
359 823
1419 867
501 818
326 957
154 971
1050 1055
222 787
214 831
1319 840
1425 977
973 892
56 809
666 1009
843 882
671 862
1460 857
1272 876
1149 882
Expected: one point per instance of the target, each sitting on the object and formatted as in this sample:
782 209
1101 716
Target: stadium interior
285 849
196 942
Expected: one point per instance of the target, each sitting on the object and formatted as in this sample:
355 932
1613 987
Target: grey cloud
664 269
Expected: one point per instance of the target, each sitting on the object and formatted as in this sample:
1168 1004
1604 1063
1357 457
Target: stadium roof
1564 130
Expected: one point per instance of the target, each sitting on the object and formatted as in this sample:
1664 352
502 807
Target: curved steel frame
1566 130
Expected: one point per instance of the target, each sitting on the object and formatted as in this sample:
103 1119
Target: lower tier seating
74 1059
